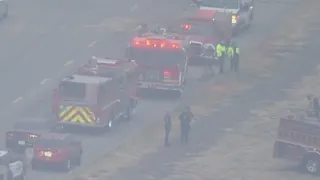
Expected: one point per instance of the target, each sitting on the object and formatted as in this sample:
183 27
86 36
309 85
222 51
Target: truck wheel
78 161
251 16
34 165
67 165
128 115
311 164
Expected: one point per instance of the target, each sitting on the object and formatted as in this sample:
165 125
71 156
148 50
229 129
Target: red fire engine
204 29
162 62
298 139
102 91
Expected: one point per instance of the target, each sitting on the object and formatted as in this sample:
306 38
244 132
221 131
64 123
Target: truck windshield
73 90
150 57
229 4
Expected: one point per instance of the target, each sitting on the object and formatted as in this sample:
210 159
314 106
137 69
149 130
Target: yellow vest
237 51
230 52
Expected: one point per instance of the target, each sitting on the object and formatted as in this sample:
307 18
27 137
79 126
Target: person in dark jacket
185 125
316 107
167 128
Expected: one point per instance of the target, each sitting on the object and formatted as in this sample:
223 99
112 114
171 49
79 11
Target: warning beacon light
186 27
155 43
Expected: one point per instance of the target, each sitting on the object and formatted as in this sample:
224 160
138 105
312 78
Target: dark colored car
58 151
25 133
12 166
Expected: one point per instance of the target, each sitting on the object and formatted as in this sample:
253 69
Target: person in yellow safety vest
230 54
221 51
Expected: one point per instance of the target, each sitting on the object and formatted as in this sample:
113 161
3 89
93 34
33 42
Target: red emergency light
186 26
155 43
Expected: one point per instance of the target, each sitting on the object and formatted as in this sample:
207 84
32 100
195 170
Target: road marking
44 81
69 62
17 100
133 8
92 44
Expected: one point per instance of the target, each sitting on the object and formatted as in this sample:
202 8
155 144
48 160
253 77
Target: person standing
167 128
185 125
316 107
230 54
220 54
236 58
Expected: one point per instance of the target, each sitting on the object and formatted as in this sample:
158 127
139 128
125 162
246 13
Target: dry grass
246 153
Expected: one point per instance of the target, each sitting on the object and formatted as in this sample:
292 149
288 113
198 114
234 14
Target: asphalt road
42 41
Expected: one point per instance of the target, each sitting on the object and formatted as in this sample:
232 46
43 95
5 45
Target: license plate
234 21
48 154
21 142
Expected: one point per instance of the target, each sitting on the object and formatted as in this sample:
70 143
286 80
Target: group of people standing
185 118
230 51
222 52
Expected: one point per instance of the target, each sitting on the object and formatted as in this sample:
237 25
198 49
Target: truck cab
298 139
241 11
203 28
90 101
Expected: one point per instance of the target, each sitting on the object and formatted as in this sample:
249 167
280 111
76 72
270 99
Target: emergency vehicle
12 166
161 60
298 139
91 101
241 11
122 69
60 150
204 29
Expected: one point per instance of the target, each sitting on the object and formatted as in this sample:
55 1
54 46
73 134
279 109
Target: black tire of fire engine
251 16
78 159
129 110
111 119
311 158
34 165
66 165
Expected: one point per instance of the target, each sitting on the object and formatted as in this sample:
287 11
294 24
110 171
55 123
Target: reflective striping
73 114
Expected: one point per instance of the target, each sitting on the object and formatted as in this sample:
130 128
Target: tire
251 16
67 165
311 164
78 160
109 125
34 165
129 110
